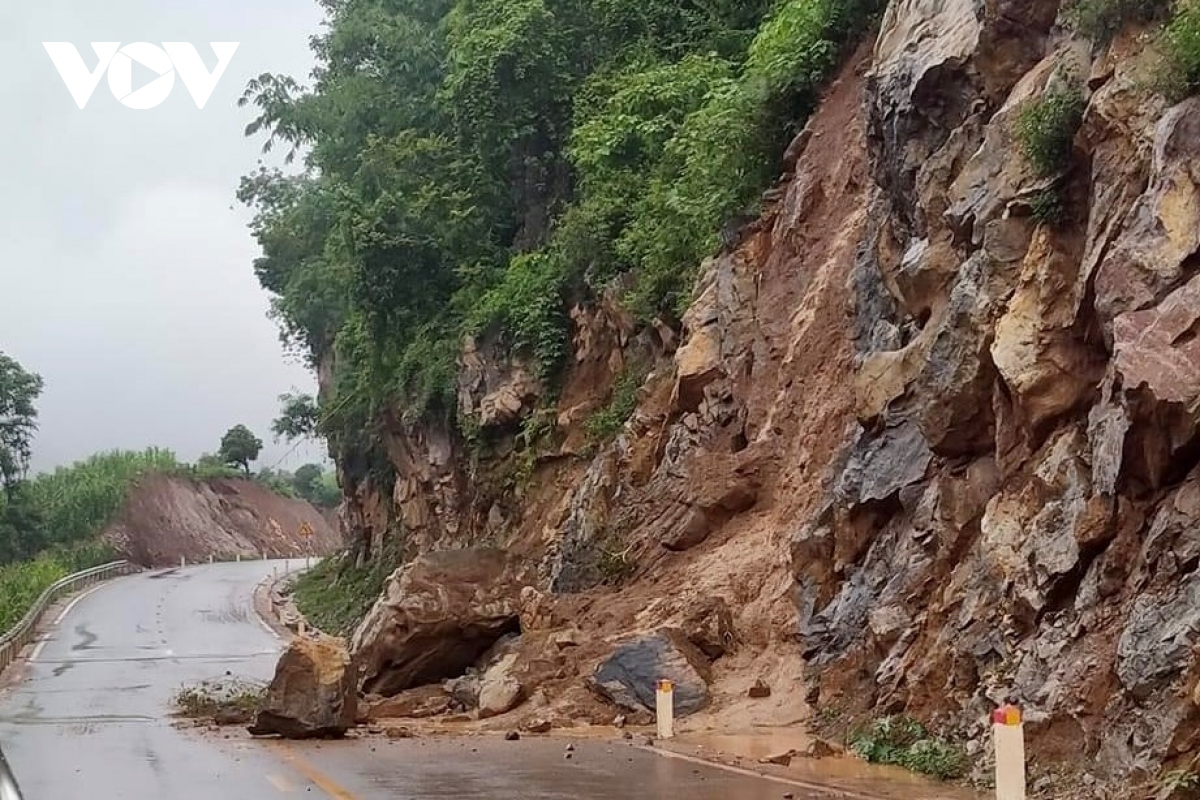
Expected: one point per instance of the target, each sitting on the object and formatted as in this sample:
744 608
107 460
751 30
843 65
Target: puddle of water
845 772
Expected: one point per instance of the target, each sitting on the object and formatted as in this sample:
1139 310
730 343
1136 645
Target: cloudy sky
125 263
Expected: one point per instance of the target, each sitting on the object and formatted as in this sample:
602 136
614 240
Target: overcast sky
126 274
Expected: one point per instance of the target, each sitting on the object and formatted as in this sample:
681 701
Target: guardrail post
1008 734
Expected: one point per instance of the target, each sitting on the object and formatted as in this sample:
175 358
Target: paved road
90 719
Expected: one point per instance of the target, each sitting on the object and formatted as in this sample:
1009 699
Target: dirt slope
169 518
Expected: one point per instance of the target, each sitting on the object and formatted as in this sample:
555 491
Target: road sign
306 530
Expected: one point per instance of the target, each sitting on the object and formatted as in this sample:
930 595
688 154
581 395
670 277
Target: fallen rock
437 616
760 690
821 749
400 732
629 676
781 759
424 701
512 736
566 639
538 725
313 693
499 691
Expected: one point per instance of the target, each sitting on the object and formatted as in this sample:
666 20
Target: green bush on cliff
1182 45
1101 20
1047 126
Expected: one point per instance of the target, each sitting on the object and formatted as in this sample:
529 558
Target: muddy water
852 774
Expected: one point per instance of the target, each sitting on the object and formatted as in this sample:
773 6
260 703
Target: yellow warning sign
306 530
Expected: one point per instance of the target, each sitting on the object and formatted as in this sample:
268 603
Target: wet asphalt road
91 721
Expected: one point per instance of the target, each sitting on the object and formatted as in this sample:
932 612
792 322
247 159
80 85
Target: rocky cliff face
910 439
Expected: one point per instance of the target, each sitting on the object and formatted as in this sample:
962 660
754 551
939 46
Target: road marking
71 605
281 783
41 645
323 782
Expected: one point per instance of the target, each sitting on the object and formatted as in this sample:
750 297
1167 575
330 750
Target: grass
904 742
231 701
21 584
335 595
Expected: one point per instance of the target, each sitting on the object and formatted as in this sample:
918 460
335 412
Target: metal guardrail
23 632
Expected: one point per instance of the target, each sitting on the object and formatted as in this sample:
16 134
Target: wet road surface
91 721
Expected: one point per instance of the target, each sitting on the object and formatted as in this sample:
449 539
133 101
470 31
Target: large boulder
629 676
313 694
437 616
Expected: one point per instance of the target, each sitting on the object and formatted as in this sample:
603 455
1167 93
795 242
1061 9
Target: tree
19 390
298 418
239 447
306 480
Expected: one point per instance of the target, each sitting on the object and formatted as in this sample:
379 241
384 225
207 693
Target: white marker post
666 709
182 562
1008 733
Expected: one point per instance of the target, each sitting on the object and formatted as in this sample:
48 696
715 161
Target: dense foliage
476 166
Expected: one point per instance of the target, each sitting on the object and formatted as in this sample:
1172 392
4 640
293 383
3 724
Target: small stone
567 755
628 735
788 796
781 759
512 736
570 748
538 726
620 721
399 733
760 690
648 741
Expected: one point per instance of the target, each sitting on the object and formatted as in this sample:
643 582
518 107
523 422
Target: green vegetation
230 701
1047 206
1181 41
1100 20
1177 782
336 594
22 583
19 391
239 447
1046 128
477 166
608 421
906 743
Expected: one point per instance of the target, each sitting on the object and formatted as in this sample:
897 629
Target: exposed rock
438 615
779 759
539 725
564 640
499 690
424 701
709 626
512 736
629 676
492 388
1160 348
313 693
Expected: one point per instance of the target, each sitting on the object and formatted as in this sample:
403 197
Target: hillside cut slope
166 518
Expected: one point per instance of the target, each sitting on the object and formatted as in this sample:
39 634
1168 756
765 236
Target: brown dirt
167 518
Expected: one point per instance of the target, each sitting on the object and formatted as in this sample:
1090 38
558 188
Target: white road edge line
41 645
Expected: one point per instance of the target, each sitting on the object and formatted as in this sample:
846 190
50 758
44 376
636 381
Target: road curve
91 719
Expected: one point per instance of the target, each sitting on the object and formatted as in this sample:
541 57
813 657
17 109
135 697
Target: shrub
906 743
1047 207
607 422
1182 48
1100 20
336 594
1046 128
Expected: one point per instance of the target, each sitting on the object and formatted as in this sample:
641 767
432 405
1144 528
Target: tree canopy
240 447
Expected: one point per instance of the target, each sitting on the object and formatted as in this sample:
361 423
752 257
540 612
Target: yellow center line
323 782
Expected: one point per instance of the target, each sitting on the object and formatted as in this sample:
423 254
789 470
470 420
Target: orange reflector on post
1006 715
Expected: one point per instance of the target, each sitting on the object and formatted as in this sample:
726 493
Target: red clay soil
166 519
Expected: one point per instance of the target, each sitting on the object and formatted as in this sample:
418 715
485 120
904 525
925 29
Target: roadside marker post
665 708
182 562
1008 734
